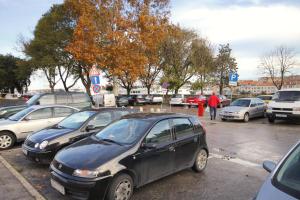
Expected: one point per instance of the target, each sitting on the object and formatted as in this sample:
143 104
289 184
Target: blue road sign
233 79
95 80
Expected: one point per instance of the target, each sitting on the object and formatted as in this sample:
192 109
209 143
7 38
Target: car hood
6 122
89 153
234 109
268 191
49 134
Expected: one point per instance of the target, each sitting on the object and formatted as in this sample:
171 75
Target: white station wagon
32 119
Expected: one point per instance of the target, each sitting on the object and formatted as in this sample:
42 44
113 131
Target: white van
105 100
285 104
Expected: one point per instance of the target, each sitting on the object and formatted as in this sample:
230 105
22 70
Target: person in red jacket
213 102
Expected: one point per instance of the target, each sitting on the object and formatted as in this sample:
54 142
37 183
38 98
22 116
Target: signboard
233 79
95 79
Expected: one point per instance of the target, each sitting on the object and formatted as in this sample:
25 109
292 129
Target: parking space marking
22 180
236 160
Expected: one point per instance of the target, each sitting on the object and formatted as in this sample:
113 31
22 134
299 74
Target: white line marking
236 160
22 180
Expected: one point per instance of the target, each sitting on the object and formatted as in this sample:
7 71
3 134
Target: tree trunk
176 90
52 88
128 89
148 88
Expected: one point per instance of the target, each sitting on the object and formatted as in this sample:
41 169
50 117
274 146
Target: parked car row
194 100
133 100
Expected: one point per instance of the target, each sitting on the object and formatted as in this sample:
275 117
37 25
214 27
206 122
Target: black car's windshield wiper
110 140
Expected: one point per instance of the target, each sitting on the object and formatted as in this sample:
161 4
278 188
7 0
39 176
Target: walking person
213 102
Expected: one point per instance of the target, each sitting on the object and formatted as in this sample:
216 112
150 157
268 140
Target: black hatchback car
131 152
42 146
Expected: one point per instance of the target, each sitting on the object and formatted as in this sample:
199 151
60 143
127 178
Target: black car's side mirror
149 146
269 166
90 128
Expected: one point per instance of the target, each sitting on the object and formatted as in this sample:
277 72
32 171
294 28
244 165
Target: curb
32 191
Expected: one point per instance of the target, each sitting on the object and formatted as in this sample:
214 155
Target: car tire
201 161
7 140
246 117
223 119
271 119
121 185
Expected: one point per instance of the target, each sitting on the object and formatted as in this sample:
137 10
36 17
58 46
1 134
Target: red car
195 99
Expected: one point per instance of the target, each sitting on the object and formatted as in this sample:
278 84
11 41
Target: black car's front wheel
201 161
121 188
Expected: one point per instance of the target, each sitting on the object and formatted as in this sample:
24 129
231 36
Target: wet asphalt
233 172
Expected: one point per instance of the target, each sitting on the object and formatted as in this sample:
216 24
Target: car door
35 121
261 107
253 109
186 142
154 163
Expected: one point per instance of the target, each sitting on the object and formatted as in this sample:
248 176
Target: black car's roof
154 116
108 109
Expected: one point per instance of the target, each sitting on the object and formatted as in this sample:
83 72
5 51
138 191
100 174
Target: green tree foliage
47 49
225 63
13 74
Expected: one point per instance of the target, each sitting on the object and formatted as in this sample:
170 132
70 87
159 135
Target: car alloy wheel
6 141
121 188
201 161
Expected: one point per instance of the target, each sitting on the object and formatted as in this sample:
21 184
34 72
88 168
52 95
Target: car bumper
42 157
283 115
232 117
79 188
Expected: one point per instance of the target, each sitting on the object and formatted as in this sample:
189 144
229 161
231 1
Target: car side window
63 99
43 113
47 99
102 119
183 127
120 113
63 112
160 133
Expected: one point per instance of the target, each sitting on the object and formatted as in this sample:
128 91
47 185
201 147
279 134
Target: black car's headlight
90 173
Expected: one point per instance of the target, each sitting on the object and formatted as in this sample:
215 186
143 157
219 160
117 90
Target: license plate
281 115
25 151
58 187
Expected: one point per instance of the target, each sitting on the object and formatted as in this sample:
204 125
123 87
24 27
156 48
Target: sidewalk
13 186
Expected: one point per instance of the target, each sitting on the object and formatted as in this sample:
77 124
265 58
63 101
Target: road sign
233 79
96 89
95 80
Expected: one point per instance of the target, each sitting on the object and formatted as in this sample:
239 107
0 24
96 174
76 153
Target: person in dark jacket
213 102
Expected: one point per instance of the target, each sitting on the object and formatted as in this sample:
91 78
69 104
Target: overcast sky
251 27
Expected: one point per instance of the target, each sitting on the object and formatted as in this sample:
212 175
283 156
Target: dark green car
78 100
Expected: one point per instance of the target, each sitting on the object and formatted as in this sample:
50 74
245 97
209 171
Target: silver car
18 126
284 180
244 109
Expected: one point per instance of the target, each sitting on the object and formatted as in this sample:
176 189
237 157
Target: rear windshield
32 100
265 98
287 96
287 178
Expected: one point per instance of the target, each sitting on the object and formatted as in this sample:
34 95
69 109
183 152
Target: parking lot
234 170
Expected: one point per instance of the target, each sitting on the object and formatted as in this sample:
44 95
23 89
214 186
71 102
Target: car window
101 119
43 113
47 99
160 133
241 103
63 112
76 120
182 127
288 177
119 113
33 100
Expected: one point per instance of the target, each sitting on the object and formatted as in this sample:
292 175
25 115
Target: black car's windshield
288 176
76 120
287 96
241 103
21 114
124 131
32 100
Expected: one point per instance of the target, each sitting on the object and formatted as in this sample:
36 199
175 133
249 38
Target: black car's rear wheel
201 161
7 140
121 188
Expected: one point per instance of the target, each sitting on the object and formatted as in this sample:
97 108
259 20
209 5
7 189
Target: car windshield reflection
75 120
241 103
125 131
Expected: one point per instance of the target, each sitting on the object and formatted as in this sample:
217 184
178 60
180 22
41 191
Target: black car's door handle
171 148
